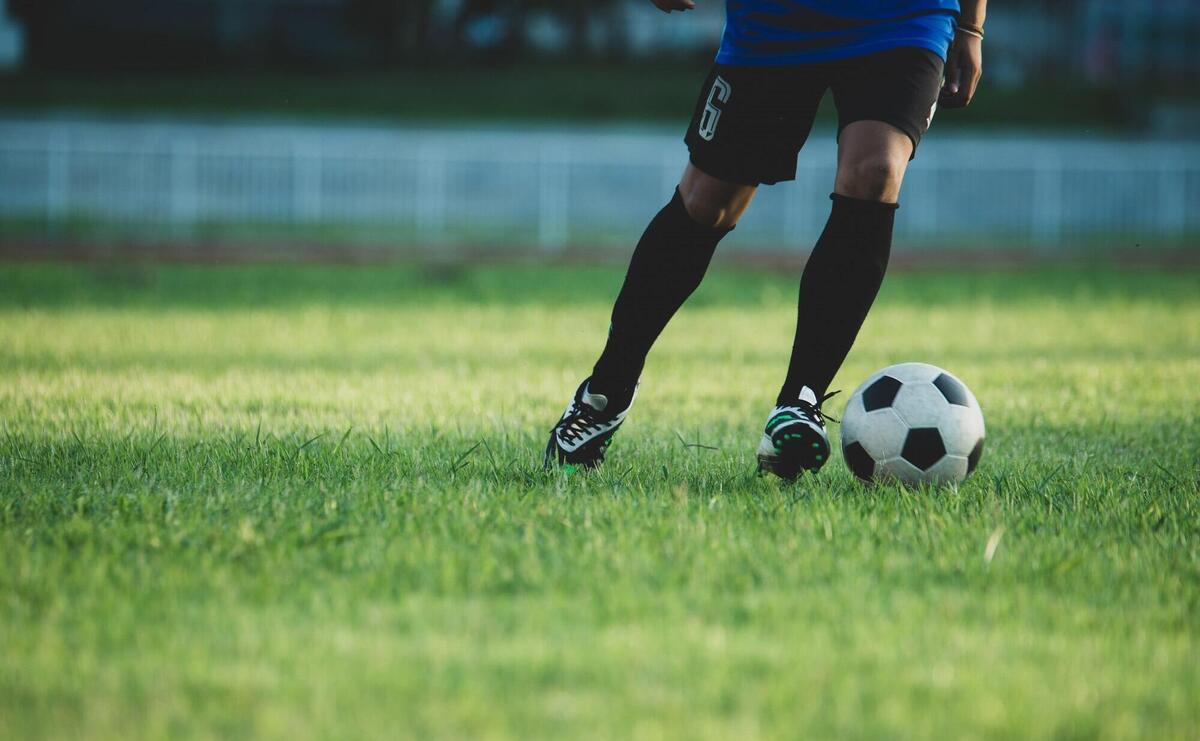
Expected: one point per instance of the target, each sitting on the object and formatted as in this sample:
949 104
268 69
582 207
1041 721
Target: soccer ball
913 423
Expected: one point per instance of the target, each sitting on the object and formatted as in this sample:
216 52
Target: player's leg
884 104
839 284
846 268
711 201
872 159
747 127
667 266
744 132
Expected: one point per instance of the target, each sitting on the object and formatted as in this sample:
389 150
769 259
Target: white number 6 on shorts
721 90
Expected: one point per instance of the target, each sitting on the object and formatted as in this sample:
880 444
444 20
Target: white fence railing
550 188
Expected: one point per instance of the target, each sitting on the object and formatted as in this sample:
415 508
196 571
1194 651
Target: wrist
970 23
970 31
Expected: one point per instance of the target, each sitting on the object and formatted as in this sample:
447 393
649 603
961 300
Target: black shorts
751 121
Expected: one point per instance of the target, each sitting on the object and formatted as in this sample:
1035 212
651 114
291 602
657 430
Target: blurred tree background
1102 63
281 34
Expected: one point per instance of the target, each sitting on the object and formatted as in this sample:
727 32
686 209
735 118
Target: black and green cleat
794 439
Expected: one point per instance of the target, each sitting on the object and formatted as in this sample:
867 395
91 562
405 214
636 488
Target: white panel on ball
913 372
962 428
920 404
881 432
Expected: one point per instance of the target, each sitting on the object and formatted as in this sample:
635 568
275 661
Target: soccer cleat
794 439
585 430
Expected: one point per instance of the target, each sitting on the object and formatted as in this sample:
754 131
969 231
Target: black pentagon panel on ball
923 447
859 461
976 454
881 394
952 389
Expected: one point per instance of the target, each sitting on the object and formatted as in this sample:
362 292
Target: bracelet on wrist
971 30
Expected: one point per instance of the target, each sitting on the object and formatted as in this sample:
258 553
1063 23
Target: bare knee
872 157
709 212
871 178
711 202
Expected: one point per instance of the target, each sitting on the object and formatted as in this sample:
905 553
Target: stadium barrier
506 190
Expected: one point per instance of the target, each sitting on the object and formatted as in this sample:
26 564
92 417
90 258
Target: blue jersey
767 32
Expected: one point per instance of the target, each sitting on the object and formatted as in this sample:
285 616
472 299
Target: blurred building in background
554 191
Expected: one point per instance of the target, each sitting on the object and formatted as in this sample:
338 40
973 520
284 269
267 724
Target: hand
667 6
964 65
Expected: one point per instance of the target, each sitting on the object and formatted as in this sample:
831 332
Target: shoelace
578 423
814 410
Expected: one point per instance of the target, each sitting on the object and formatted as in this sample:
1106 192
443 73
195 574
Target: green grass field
306 502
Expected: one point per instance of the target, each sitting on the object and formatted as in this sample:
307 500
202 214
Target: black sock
837 289
667 266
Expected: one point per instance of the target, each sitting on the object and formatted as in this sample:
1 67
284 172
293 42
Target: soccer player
889 63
